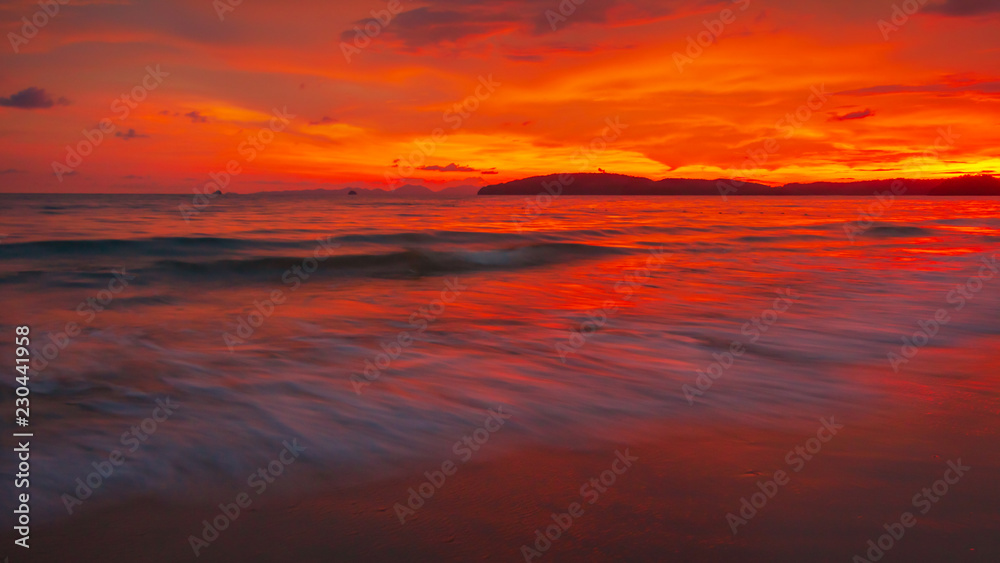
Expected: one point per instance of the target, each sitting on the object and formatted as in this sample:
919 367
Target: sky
117 96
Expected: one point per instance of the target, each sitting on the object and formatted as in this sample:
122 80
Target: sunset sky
684 113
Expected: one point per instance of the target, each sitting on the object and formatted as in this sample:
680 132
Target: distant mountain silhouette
607 184
412 190
456 191
968 185
618 184
408 190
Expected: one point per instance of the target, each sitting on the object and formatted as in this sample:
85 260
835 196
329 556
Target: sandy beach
671 505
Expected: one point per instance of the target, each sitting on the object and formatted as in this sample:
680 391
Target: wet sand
671 505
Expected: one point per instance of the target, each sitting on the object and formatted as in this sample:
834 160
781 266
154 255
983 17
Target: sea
379 332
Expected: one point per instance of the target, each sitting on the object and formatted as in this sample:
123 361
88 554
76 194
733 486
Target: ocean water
377 333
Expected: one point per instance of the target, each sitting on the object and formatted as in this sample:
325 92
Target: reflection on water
261 316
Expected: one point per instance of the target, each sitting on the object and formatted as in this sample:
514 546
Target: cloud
426 26
450 168
12 171
887 89
553 17
452 21
960 87
196 117
853 115
32 98
525 58
456 168
130 134
323 121
964 7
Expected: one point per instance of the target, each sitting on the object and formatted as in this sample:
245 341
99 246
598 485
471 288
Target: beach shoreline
491 508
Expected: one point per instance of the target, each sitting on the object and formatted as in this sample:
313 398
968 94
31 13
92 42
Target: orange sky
891 91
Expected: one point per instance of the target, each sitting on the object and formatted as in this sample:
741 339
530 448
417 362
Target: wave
788 237
439 237
897 231
267 242
155 246
404 264
183 246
